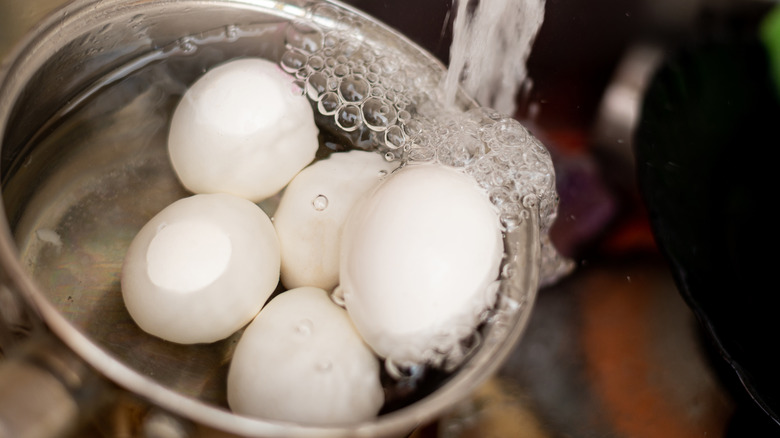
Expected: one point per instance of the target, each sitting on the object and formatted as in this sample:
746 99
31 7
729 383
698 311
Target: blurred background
614 349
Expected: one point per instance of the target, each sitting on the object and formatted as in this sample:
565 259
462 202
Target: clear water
491 44
101 172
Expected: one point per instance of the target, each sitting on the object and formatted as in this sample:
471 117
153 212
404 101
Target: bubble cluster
361 88
398 109
304 327
320 203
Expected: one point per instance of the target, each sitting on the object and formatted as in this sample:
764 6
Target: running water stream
491 43
492 40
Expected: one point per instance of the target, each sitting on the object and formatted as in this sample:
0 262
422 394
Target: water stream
491 44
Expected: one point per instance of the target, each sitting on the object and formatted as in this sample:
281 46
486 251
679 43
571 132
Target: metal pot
70 348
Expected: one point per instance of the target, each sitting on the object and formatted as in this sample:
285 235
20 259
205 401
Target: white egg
242 128
419 263
201 268
312 212
302 360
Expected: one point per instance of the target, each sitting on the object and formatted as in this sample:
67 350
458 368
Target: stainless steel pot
71 349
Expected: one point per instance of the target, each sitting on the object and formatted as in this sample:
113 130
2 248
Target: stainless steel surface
47 391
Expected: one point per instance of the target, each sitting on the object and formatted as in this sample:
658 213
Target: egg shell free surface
242 128
312 212
420 260
302 360
198 302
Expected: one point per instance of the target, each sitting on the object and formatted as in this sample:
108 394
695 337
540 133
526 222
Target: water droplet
358 69
187 46
353 88
369 56
329 103
304 37
316 86
508 271
337 296
349 47
421 153
231 32
50 236
320 203
330 41
340 70
400 372
292 61
509 133
326 13
413 128
316 63
304 327
348 117
303 73
333 84
510 221
378 114
377 90
530 201
324 366
394 137
388 65
498 196
375 69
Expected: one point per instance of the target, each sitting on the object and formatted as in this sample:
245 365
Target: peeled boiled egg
201 268
243 128
420 262
312 212
302 360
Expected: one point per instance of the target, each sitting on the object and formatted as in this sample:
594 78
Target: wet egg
201 268
420 261
243 128
302 360
312 212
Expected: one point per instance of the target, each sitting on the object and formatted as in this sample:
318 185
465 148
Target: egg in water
420 263
201 268
301 360
243 128
311 215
